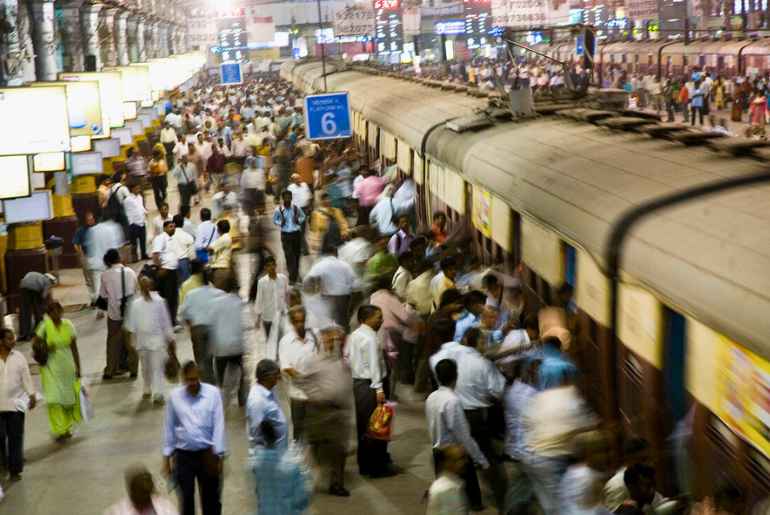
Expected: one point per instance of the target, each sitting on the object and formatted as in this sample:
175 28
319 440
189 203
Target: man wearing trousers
117 286
165 258
367 364
290 219
194 442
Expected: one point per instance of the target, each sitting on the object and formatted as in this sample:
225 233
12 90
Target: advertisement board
22 133
124 136
107 147
49 162
83 108
110 89
136 128
136 82
86 163
530 13
35 208
16 179
129 110
357 20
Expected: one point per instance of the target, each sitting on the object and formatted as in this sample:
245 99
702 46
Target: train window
674 353
570 264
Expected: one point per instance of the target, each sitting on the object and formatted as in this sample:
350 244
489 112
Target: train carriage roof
709 258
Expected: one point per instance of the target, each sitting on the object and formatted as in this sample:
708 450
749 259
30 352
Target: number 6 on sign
327 116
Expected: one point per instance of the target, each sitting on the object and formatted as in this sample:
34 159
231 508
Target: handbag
202 254
171 368
381 422
40 351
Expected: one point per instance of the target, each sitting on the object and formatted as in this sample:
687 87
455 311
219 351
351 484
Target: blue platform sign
327 116
230 73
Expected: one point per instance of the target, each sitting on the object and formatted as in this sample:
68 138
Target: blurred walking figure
60 376
290 219
262 405
294 349
448 426
446 495
153 337
196 311
227 341
282 479
272 296
335 280
194 442
327 428
142 497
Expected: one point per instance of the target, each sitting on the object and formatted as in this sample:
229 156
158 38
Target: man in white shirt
197 312
162 218
364 354
174 119
446 495
184 246
302 197
168 139
335 280
189 226
164 256
293 350
224 200
272 295
448 426
118 285
17 394
136 213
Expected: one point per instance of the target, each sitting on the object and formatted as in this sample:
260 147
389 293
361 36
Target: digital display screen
49 162
34 208
232 39
86 163
16 179
107 147
24 134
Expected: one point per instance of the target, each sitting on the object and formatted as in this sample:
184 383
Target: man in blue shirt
262 406
555 366
474 304
194 438
289 218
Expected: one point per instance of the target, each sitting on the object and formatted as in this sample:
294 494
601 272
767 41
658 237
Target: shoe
106 377
146 396
99 315
15 477
132 376
145 258
159 400
339 491
478 507
388 471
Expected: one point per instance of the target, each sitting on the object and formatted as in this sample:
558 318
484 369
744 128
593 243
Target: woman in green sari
61 374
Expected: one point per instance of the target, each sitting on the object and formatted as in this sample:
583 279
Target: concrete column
163 30
132 24
172 30
121 37
27 44
107 36
148 40
72 38
89 20
44 39
13 71
154 50
141 41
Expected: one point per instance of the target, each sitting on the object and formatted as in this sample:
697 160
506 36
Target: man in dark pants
289 218
368 382
165 258
15 380
35 294
194 442
118 284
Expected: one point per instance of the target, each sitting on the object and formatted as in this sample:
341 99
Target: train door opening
674 352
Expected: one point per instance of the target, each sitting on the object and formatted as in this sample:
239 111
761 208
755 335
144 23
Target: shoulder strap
296 214
213 231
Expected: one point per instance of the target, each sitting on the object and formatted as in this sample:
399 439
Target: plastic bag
86 407
381 422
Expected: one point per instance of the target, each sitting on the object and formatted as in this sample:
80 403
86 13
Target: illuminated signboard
33 208
24 134
83 108
232 39
449 27
110 89
389 26
16 177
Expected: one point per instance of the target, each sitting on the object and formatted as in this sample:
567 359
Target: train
680 342
664 58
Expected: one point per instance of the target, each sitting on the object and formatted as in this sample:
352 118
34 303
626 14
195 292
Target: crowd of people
374 303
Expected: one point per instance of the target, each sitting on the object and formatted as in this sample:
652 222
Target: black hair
490 280
443 328
635 445
178 220
446 372
531 322
637 471
188 367
472 337
196 267
111 257
130 152
268 259
205 214
552 341
223 226
365 312
184 210
405 257
450 296
162 205
448 263
4 331
474 297
167 223
286 193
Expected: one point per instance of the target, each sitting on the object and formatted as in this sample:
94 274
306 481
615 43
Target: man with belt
364 354
194 442
289 218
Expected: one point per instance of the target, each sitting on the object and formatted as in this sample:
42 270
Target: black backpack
114 209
